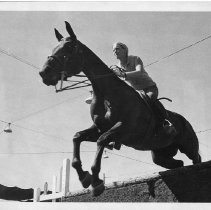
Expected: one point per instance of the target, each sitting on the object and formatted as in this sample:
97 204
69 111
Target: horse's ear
70 31
58 35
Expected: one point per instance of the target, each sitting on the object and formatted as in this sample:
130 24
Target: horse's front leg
90 134
116 132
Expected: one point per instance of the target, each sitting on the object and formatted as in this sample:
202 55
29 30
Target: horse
118 112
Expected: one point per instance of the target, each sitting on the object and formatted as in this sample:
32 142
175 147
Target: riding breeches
151 91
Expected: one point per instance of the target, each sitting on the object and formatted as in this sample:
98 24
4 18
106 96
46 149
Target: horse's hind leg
190 147
164 157
189 144
90 134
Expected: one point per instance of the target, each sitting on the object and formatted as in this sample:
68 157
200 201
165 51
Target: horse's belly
151 143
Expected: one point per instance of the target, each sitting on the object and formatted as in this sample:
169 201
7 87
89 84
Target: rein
75 85
70 87
83 83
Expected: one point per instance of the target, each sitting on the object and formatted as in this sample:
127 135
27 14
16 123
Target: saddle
157 110
151 104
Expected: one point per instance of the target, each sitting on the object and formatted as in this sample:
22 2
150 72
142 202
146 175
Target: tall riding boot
163 118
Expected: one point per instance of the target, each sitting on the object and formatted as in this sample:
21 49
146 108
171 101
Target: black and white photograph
105 104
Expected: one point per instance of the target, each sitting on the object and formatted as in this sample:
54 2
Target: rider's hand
118 71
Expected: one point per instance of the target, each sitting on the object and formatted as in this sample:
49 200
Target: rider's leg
152 92
160 111
165 119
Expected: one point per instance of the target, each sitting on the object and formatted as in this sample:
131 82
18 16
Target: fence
186 184
64 178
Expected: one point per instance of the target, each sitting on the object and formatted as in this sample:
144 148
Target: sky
44 122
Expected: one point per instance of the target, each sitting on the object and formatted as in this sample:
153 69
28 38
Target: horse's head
66 59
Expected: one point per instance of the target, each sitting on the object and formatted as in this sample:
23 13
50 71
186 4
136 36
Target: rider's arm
137 71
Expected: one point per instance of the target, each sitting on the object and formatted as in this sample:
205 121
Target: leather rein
64 75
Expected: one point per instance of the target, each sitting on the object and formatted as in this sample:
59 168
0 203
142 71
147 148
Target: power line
205 145
71 152
40 132
202 131
130 158
178 51
19 59
42 153
134 175
165 57
52 136
47 108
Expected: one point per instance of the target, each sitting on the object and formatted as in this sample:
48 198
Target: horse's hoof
99 189
86 181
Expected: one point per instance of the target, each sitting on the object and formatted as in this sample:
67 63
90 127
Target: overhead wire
40 132
202 131
205 145
56 137
178 51
130 158
143 173
19 59
43 153
47 108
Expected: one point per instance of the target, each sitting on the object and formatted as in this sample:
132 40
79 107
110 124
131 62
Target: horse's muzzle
46 80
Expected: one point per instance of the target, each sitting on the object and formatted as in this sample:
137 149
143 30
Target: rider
131 69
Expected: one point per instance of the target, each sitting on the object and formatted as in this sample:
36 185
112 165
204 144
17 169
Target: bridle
62 60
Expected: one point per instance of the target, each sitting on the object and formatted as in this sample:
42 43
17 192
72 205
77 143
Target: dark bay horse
118 112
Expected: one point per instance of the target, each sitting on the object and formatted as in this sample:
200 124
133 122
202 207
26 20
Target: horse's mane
107 71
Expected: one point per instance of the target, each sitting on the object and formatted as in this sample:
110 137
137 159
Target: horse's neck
97 72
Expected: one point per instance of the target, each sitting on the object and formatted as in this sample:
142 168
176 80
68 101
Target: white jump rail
63 185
